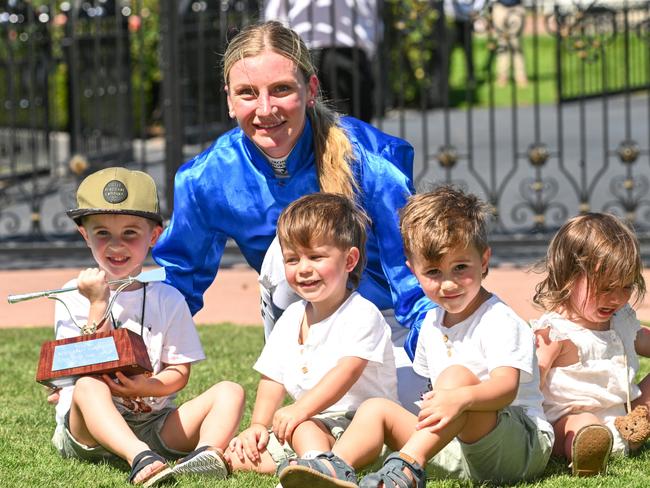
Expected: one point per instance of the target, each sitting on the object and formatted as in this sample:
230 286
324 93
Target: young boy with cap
134 417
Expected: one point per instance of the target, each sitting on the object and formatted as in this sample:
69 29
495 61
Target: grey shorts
146 427
515 450
335 422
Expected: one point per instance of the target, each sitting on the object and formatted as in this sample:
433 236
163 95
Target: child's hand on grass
250 443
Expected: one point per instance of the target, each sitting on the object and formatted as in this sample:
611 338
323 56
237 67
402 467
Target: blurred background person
342 36
509 19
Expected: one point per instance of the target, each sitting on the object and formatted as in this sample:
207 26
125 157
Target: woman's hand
250 443
286 419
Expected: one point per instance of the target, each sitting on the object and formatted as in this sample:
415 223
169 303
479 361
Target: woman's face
268 96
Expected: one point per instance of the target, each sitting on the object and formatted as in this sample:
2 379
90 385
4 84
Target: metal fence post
172 110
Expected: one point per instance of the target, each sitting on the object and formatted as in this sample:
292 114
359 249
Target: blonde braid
333 153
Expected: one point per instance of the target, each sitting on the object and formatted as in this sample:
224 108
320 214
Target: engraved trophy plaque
62 361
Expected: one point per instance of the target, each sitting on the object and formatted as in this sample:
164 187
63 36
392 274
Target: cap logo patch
115 192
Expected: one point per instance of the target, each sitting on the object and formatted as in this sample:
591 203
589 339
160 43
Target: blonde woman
288 143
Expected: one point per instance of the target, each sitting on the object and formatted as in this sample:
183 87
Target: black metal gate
87 84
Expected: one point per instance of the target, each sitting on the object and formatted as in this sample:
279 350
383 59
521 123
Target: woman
289 144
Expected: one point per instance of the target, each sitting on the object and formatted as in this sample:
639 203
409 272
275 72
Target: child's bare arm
440 407
270 394
642 342
327 391
547 352
255 438
172 378
93 285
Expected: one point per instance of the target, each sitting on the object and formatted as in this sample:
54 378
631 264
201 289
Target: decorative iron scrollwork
628 151
447 156
78 165
538 154
629 195
539 199
585 29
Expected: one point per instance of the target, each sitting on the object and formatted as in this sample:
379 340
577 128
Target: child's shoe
205 460
590 450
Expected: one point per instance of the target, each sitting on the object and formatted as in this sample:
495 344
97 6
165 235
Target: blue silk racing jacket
230 190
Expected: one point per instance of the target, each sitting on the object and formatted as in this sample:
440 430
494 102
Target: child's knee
87 385
228 391
455 376
374 406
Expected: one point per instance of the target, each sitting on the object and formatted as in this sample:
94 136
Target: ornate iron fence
87 84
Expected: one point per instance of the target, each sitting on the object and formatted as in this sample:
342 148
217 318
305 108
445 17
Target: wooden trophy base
64 360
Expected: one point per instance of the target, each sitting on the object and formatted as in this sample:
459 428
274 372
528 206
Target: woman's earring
232 114
311 103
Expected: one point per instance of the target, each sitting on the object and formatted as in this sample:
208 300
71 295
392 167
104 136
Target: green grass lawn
27 458
540 67
601 69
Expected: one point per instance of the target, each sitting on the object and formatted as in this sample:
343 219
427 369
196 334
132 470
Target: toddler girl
589 338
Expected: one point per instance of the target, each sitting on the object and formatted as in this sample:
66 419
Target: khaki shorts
515 450
146 427
335 422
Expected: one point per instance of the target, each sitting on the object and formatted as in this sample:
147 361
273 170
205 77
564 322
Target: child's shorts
515 450
335 422
146 427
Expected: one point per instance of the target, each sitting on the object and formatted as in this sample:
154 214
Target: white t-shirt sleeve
364 331
182 343
509 342
64 325
270 362
420 364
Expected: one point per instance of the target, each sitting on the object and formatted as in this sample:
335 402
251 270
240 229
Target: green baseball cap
117 191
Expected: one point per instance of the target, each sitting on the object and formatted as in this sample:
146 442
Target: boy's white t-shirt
493 336
356 329
169 334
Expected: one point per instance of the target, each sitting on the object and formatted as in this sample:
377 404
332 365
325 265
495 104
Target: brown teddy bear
635 426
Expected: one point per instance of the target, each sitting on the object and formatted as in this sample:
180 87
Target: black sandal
141 461
392 474
314 473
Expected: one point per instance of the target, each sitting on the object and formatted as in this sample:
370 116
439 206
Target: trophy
62 361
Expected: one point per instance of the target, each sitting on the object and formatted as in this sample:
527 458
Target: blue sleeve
191 246
386 189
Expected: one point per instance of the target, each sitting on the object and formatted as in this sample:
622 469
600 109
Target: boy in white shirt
483 418
135 418
329 351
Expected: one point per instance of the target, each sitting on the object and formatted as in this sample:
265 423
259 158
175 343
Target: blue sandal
392 474
314 473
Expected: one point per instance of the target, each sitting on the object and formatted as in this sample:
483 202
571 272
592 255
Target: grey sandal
314 473
392 475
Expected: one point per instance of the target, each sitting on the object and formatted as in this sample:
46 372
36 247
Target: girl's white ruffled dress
598 382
